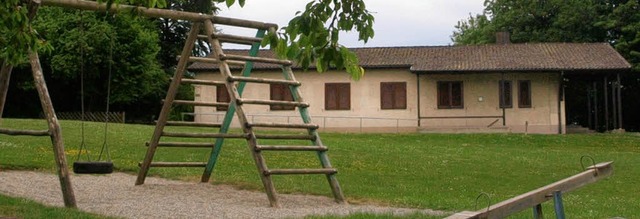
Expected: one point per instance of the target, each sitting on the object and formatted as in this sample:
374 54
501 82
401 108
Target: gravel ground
115 195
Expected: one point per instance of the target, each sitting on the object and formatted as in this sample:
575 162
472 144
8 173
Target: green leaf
241 2
230 2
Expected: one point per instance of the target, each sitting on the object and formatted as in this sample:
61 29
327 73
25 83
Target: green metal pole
228 116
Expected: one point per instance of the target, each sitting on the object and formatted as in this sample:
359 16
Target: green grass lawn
436 171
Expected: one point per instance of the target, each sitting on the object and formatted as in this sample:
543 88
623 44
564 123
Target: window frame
336 90
522 104
449 93
280 92
398 97
502 103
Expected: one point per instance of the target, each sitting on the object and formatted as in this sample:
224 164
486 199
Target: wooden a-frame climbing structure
203 27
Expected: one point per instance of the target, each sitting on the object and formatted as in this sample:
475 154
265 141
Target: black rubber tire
92 167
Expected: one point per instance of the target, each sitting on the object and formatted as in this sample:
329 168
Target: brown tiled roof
509 57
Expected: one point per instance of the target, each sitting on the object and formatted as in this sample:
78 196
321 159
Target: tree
312 36
83 41
613 21
533 21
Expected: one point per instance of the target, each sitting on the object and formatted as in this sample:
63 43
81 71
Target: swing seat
92 167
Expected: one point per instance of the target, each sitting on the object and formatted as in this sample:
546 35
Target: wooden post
614 106
595 106
54 130
619 89
5 76
589 109
606 103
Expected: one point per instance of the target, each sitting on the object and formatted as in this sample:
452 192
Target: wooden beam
5 76
54 130
157 13
540 195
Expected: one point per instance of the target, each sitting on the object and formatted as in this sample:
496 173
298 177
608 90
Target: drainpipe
560 99
418 97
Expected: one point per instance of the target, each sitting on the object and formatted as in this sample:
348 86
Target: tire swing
98 166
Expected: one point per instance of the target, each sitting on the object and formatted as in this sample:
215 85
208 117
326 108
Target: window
524 94
450 95
337 96
393 95
222 96
281 92
506 100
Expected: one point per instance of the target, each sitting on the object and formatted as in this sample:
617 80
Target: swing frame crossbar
54 129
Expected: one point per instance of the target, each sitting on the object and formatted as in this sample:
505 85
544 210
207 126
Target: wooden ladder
235 86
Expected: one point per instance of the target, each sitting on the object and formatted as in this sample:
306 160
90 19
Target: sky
397 23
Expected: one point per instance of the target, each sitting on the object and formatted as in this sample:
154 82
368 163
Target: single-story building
483 88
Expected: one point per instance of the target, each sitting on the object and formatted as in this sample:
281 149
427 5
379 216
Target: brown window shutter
386 96
280 92
222 96
401 96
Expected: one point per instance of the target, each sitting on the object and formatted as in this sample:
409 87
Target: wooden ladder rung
202 82
271 102
263 80
255 59
199 103
300 171
290 148
211 60
284 137
227 38
193 124
202 135
184 144
24 132
176 164
284 125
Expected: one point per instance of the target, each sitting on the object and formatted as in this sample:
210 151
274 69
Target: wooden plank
5 77
228 38
264 80
199 103
300 171
284 125
255 59
193 124
241 101
543 194
234 93
290 148
322 155
166 108
202 135
286 137
54 129
202 82
183 144
154 12
176 164
213 61
24 132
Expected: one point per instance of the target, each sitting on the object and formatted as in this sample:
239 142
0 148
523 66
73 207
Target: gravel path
115 195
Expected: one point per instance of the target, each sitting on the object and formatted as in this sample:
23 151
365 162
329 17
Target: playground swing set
203 27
